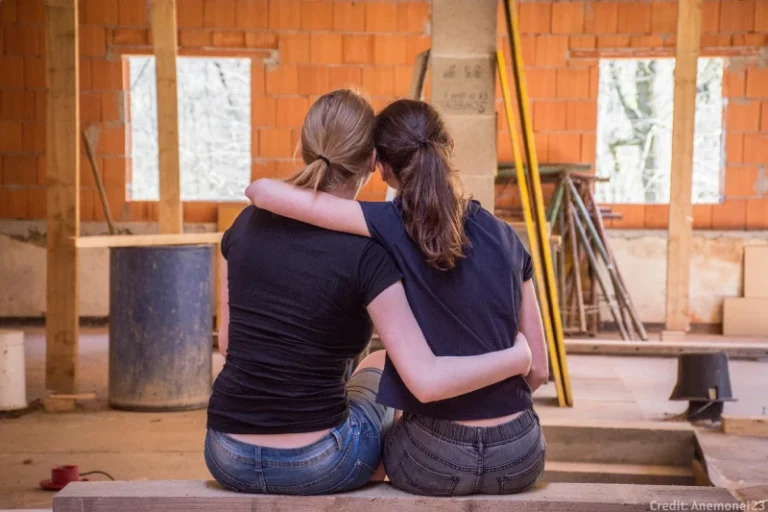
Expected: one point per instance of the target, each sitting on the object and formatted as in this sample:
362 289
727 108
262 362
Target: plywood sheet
756 271
745 316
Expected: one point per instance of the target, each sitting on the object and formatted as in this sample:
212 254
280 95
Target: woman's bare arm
317 208
430 377
223 339
532 328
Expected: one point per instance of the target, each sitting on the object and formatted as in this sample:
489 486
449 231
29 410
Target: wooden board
145 240
62 195
163 21
734 349
745 317
755 276
756 426
600 473
680 230
150 496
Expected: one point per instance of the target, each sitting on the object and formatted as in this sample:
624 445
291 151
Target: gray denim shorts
343 460
442 458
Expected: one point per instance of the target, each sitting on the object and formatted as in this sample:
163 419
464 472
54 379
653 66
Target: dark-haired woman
467 277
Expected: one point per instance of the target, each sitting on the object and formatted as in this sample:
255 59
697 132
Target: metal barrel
160 328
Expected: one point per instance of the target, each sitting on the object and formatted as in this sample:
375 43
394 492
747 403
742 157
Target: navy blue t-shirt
471 309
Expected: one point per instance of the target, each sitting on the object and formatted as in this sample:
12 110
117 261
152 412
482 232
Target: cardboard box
464 86
745 317
464 27
756 271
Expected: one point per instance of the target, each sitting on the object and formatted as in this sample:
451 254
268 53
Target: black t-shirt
297 303
471 309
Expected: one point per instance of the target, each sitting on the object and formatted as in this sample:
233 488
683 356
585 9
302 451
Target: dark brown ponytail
411 138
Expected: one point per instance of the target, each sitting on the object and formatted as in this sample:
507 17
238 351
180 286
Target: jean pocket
523 479
360 475
424 480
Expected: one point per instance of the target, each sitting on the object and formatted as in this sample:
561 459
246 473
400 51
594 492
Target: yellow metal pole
533 238
538 198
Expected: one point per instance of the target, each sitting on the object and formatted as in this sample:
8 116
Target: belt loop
257 465
339 440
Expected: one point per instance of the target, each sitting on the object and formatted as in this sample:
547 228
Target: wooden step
193 496
586 472
648 443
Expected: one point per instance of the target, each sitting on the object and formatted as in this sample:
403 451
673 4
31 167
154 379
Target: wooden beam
145 240
756 426
192 496
63 191
735 350
680 229
163 21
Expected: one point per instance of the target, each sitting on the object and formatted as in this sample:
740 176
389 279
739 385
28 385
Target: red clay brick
567 18
93 41
31 11
19 170
541 144
229 39
634 18
757 214
86 204
357 49
12 76
581 115
534 18
582 42
195 38
752 40
134 12
633 216
262 169
414 46
549 115
734 147
284 14
755 148
551 50
99 12
317 15
646 42
381 17
565 147
613 42
602 18
541 83
106 74
741 181
193 14
41 102
573 83
216 14
9 12
294 48
664 17
113 106
263 111
734 83
86 172
130 36
349 16
313 80
403 75
252 14
33 136
200 211
291 111
112 140
390 50
282 79
757 83
266 40
345 77
412 17
588 147
715 40
34 73
737 16
761 17
379 81
702 216
275 143
742 116
17 105
656 216
22 40
114 171
731 214
15 201
258 80
764 117
710 16
325 48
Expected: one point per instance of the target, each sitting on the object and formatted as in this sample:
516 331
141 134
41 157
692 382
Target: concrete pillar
463 61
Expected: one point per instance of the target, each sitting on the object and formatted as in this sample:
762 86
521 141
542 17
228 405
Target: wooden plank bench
162 496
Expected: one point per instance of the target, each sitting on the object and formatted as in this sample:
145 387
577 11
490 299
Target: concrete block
480 188
460 27
464 86
475 143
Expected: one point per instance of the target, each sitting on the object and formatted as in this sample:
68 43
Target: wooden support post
163 14
680 229
62 198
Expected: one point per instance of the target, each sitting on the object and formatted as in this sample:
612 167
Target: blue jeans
442 458
343 460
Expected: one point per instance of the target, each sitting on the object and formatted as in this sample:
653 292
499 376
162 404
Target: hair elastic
327 162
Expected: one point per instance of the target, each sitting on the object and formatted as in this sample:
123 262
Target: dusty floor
169 445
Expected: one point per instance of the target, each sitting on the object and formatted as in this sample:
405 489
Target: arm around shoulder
531 327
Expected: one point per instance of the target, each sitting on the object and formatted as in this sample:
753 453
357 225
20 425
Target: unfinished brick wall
302 48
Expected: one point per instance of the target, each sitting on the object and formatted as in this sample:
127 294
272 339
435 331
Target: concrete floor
133 446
